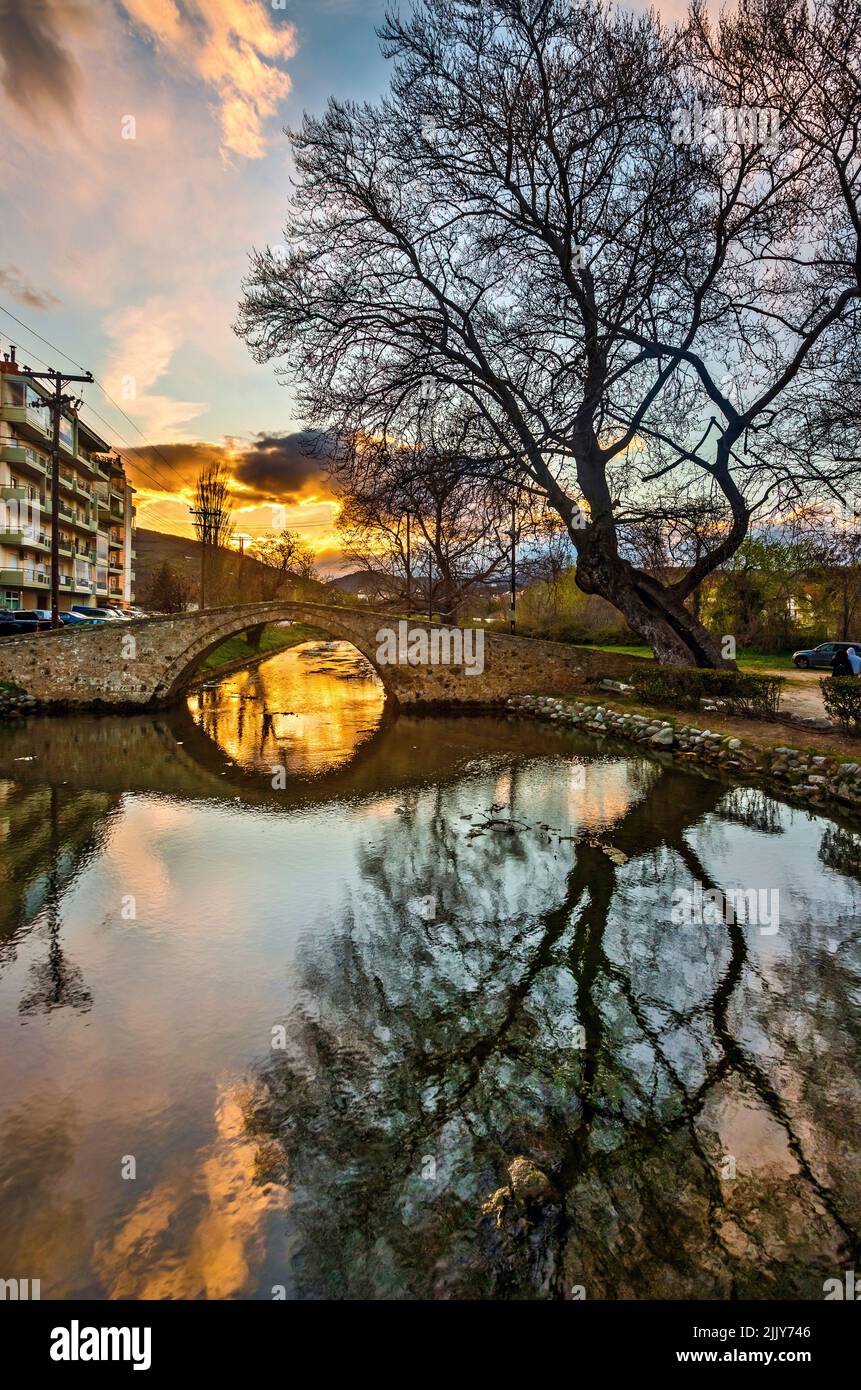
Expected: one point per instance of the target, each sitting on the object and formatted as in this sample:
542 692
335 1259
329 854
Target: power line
150 477
104 391
156 482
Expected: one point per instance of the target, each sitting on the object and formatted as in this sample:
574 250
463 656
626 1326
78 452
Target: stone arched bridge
150 661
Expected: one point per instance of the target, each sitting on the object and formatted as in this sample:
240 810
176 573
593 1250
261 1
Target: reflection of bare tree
55 982
512 1099
841 850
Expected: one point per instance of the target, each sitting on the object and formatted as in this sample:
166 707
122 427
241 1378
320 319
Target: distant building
94 510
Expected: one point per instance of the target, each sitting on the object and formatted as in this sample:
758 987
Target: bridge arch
147 663
226 623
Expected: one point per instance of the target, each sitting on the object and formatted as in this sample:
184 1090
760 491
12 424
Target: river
302 999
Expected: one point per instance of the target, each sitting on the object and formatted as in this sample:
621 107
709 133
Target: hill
183 554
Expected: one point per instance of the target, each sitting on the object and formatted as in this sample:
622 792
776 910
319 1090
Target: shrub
841 696
684 687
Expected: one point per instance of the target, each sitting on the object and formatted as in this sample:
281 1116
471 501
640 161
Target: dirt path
801 694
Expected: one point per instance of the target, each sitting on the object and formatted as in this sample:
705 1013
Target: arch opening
181 670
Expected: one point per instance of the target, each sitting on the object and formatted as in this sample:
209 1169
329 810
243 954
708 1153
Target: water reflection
696 1139
292 712
499 1069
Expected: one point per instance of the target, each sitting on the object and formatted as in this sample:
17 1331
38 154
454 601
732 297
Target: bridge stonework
100 666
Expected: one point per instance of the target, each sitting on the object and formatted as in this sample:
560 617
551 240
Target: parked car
10 626
104 615
15 622
823 655
43 615
74 619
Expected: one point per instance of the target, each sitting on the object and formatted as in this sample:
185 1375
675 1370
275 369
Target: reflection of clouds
200 1232
447 1034
138 861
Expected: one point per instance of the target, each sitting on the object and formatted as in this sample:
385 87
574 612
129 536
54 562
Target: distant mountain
359 582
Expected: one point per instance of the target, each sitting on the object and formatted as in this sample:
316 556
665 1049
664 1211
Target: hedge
683 687
841 696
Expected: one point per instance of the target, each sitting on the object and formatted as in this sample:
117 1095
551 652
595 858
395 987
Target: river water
301 999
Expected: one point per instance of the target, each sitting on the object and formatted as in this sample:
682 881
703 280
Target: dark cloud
25 293
283 468
172 466
38 70
273 468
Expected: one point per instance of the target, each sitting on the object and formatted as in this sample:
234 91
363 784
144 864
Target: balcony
25 578
18 494
19 456
17 537
35 424
74 485
85 460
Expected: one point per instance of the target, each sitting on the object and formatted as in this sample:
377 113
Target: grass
747 660
273 639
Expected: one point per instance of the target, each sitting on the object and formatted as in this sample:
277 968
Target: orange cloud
234 47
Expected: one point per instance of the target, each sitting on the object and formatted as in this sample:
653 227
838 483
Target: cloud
26 293
269 470
233 46
39 72
283 468
146 337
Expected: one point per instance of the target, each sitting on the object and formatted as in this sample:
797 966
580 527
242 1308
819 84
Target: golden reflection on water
201 1231
307 709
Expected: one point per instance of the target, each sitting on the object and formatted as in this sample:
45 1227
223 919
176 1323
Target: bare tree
169 590
426 487
285 556
531 220
213 524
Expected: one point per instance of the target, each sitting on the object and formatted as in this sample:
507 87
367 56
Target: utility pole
409 570
511 615
204 538
55 404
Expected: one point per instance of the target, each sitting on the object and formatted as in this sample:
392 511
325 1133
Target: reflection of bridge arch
151 660
171 754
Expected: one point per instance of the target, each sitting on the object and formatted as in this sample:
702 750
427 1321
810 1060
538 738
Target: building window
12 598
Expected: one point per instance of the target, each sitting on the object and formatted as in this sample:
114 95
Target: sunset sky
142 155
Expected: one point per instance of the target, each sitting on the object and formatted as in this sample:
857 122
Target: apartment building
94 511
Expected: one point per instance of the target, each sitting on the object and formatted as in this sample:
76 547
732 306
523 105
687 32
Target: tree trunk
653 611
254 635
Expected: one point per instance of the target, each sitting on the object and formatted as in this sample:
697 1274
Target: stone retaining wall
816 781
